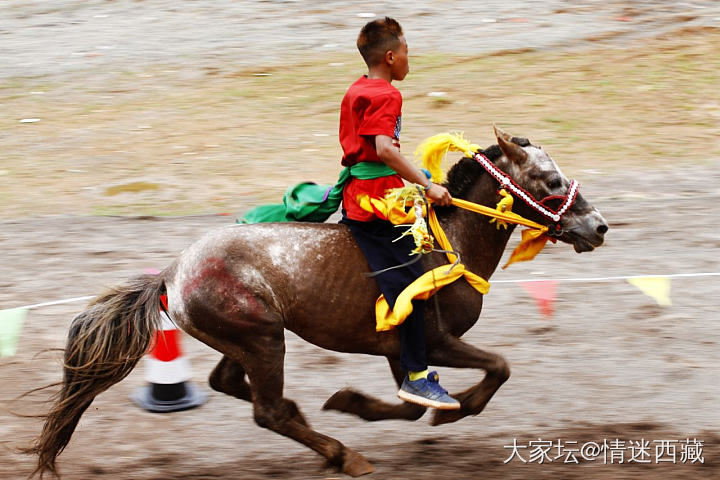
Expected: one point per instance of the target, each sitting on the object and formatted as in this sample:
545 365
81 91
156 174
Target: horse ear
511 150
501 133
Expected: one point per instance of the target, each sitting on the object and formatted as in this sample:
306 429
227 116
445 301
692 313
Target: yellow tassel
432 151
504 206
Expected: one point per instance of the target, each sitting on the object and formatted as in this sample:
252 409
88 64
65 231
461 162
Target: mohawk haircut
377 37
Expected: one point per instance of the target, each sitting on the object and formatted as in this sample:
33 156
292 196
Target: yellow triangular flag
11 321
657 288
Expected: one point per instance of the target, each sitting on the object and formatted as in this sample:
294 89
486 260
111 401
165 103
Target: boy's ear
389 57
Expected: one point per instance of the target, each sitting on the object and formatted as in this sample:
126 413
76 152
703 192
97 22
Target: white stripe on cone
176 370
167 324
166 373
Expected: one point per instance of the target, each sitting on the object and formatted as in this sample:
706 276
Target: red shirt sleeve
381 115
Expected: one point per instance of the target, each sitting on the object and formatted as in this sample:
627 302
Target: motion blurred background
153 107
129 128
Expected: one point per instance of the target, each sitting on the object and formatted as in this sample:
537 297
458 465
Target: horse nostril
602 229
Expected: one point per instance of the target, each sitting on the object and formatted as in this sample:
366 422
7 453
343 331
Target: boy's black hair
377 37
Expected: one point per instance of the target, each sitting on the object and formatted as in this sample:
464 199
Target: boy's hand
392 157
439 195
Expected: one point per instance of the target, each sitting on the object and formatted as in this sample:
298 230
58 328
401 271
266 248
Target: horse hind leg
228 377
251 335
263 362
372 409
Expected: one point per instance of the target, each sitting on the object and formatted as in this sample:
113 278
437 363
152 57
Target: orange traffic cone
168 373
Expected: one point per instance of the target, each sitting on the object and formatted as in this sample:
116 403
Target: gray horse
238 288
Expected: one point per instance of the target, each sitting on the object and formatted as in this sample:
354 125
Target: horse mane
467 171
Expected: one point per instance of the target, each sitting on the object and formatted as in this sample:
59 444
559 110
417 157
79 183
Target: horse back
308 278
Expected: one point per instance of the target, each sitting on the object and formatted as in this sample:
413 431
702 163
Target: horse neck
480 243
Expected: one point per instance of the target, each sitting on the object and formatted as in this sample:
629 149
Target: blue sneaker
428 393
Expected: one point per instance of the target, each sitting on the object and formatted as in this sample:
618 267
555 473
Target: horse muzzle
586 235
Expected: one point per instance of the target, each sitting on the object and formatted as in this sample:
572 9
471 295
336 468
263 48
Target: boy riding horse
370 123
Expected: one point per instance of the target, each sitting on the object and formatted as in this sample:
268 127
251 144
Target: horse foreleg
452 352
372 409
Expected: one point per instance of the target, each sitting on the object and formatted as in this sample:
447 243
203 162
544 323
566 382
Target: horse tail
104 344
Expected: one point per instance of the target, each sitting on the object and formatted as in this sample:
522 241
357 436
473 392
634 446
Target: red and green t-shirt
370 107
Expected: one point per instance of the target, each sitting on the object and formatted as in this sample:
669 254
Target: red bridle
539 206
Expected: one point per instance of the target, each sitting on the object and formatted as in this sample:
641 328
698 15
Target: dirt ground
138 148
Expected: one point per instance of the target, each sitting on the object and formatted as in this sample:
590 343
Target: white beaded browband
526 197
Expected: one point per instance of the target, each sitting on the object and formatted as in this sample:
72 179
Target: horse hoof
355 464
446 416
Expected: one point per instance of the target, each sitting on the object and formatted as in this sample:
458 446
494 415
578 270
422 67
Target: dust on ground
156 108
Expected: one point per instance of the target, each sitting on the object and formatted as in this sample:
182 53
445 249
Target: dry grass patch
222 139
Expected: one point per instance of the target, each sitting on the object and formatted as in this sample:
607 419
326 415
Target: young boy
370 122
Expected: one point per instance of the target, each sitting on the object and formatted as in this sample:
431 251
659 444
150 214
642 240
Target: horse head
553 199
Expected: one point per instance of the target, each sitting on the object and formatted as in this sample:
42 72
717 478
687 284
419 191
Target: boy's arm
392 157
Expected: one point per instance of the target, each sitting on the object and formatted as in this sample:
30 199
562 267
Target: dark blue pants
375 239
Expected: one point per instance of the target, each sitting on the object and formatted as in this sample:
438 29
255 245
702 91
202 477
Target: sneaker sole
409 397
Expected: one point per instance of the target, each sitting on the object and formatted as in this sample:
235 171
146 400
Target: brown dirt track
639 129
610 364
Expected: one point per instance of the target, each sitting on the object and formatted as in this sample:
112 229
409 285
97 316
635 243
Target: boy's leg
375 239
412 330
412 339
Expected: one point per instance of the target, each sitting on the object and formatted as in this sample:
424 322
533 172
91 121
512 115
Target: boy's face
399 65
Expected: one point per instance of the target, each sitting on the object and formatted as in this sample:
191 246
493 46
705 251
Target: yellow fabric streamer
533 238
532 242
388 208
422 289
427 284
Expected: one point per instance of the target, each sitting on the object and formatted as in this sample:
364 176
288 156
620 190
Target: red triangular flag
544 294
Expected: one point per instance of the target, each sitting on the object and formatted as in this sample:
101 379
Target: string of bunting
657 287
543 291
